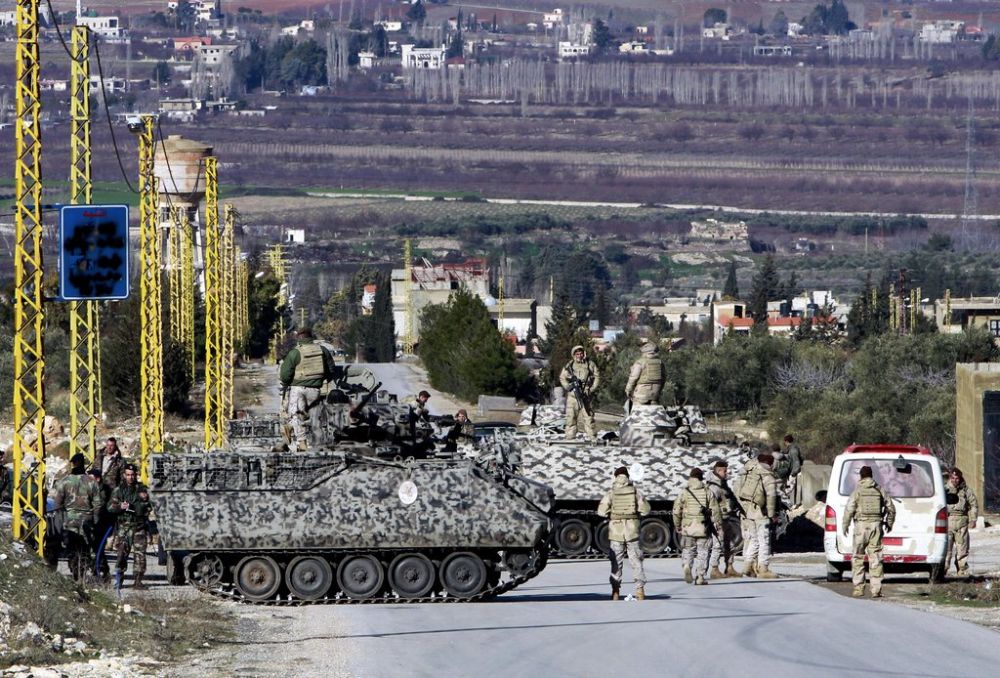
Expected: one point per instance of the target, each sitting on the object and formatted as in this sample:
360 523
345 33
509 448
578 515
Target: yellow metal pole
228 308
187 290
175 268
407 298
214 433
84 340
29 354
151 303
947 308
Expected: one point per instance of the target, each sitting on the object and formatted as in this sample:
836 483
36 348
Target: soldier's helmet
576 348
648 347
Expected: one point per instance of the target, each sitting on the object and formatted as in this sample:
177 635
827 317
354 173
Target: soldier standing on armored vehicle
759 496
580 379
646 377
725 540
871 510
698 518
304 371
961 512
130 503
463 429
623 505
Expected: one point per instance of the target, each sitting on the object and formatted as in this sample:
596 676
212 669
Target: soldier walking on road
759 496
130 503
623 505
871 510
304 371
794 456
963 510
646 376
580 380
698 518
111 463
79 497
726 540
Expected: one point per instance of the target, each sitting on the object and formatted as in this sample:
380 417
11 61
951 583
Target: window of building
995 328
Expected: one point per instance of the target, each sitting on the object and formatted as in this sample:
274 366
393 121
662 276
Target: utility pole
29 352
84 335
970 208
228 312
214 419
151 304
407 298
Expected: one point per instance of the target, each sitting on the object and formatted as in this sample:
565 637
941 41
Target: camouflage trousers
577 414
724 544
695 552
958 545
618 551
134 542
867 542
756 542
301 402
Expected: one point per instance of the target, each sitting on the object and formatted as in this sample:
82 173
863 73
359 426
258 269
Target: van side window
915 480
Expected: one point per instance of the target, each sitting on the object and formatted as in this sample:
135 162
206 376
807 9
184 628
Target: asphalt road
561 624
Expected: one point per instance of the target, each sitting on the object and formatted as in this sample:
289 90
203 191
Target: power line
107 115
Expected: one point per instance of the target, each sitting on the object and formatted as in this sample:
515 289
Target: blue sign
93 252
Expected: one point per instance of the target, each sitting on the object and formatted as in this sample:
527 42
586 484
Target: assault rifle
577 387
706 517
734 501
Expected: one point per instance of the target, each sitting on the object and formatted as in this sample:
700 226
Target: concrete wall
971 381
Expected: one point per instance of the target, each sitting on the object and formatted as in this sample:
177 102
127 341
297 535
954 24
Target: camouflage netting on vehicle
329 501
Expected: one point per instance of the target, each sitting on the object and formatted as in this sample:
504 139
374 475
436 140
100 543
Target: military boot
750 569
859 591
616 591
716 573
700 581
731 571
640 593
766 574
137 583
687 575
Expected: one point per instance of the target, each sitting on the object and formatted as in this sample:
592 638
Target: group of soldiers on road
93 502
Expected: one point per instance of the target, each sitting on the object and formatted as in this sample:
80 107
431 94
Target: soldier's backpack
752 488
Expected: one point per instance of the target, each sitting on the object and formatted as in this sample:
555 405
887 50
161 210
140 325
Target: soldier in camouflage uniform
758 495
623 505
726 540
646 376
963 510
697 517
462 430
304 371
111 463
871 510
78 496
590 379
130 503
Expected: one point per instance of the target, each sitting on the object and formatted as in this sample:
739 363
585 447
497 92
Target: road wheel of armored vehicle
654 536
602 541
309 577
463 574
360 577
573 537
258 577
520 562
411 575
206 571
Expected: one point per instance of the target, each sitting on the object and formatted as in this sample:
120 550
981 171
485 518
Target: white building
941 32
552 19
572 50
306 25
108 27
422 57
794 29
8 18
390 26
213 55
633 47
718 31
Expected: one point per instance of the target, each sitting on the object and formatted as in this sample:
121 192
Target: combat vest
310 363
870 504
752 488
960 509
624 503
695 502
652 371
587 378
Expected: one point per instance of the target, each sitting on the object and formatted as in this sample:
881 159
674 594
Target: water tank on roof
180 169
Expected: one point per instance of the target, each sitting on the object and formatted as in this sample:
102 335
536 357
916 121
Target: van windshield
915 480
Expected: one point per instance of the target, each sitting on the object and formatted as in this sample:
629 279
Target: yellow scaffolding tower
175 269
187 281
407 298
29 354
214 417
276 258
151 304
228 319
242 281
84 340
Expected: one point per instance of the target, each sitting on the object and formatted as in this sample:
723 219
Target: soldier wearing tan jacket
871 511
963 510
646 377
758 494
623 505
578 410
697 517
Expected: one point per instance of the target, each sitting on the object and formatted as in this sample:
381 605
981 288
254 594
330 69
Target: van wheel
833 573
936 574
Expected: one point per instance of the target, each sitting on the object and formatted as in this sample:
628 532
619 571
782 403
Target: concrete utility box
977 429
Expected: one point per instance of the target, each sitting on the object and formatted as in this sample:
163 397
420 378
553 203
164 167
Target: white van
912 477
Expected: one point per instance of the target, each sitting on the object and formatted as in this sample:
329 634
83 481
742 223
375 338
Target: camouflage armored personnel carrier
580 472
374 512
